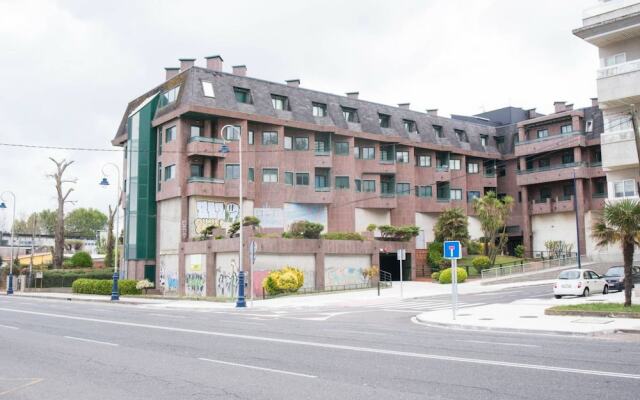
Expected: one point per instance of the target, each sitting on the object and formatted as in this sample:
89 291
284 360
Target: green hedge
343 236
445 276
103 286
65 278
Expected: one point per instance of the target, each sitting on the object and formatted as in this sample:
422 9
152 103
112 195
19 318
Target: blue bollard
115 293
241 300
10 286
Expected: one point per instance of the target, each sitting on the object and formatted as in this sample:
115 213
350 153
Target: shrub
285 280
104 286
370 273
435 276
342 236
445 276
66 277
250 220
128 287
306 229
444 264
434 254
474 247
399 233
233 229
519 251
81 259
371 227
145 285
481 262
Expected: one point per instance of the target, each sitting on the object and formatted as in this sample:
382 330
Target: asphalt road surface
51 349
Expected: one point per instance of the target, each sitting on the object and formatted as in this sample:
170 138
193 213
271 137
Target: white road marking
356 332
33 381
498 343
9 327
332 346
90 340
166 315
278 371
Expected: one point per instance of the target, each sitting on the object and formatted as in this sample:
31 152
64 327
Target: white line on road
279 371
332 346
90 341
8 327
357 332
498 343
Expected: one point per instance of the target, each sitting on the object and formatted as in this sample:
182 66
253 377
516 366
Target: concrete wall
557 226
169 281
226 278
345 269
367 216
195 283
475 229
271 262
169 226
426 222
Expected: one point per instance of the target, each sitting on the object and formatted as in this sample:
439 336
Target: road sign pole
401 294
454 286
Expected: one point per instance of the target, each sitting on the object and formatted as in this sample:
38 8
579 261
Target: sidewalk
527 315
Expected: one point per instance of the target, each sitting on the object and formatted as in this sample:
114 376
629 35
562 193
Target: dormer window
384 120
409 126
242 95
280 102
438 130
207 89
350 114
462 135
169 97
319 109
483 140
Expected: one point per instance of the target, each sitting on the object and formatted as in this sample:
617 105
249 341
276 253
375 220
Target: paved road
70 350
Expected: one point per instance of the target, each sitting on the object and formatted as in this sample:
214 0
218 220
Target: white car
579 282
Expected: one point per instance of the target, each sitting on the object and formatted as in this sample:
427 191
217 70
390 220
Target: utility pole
33 246
575 208
636 136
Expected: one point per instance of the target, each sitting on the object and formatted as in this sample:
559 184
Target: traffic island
607 310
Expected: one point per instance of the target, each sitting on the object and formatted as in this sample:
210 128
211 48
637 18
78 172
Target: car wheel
605 290
557 296
586 292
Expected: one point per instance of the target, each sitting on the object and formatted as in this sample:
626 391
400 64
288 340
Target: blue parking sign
452 250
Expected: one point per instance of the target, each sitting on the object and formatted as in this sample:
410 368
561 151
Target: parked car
579 282
615 277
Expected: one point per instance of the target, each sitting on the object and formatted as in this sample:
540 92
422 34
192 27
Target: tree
452 224
620 223
63 198
43 221
108 258
84 222
493 214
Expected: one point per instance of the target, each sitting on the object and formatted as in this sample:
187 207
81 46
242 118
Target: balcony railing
204 139
323 188
322 152
599 195
546 138
442 168
387 194
595 164
443 199
619 69
488 174
553 167
204 179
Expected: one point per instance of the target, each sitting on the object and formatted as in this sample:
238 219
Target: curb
458 326
605 314
109 301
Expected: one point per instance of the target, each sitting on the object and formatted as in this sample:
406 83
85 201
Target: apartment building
337 160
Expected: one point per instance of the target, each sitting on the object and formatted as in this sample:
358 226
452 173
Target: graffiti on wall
195 276
227 279
215 213
169 274
335 276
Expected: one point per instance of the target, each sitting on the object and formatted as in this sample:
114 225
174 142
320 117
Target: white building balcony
619 84
618 150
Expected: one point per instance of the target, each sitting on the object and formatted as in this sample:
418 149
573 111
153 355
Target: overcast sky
69 68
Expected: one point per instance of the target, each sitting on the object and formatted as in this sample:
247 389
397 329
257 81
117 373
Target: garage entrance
389 263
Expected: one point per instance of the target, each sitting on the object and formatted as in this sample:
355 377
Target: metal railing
532 265
204 179
552 137
205 139
553 167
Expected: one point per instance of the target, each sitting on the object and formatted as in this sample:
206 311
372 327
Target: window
280 102
302 178
502 171
322 146
403 189
438 130
356 151
462 135
196 131
567 191
342 148
384 120
358 183
625 188
170 134
288 178
472 194
232 133
387 185
319 109
322 181
424 161
588 126
242 95
169 97
207 89
456 194
566 129
368 185
159 142
251 138
402 157
473 168
614 59
169 172
232 171
544 163
350 114
519 197
251 176
302 143
600 187
597 156
545 193
269 138
342 182
454 163
567 157
368 153
197 170
159 176
423 191
442 191
499 140
483 140
288 142
409 126
542 133
270 175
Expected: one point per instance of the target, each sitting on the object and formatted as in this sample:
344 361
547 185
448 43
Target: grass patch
603 307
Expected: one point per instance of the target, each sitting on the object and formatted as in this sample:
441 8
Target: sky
69 68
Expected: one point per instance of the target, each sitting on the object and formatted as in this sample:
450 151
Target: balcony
205 146
559 172
375 166
555 142
619 84
373 200
547 206
205 186
615 149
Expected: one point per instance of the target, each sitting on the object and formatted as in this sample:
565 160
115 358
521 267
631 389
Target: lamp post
575 208
115 293
13 222
241 298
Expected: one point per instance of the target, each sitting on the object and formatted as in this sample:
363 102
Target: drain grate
528 316
485 319
463 315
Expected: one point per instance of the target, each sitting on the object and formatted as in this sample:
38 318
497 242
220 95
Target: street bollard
241 300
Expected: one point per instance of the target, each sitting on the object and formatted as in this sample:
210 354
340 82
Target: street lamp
575 208
13 222
115 293
241 299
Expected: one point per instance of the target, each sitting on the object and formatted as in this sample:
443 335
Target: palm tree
452 224
493 213
620 223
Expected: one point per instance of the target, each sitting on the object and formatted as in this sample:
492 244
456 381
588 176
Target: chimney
240 70
214 63
404 105
433 112
293 82
568 107
186 63
170 72
559 106
531 113
353 95
594 102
